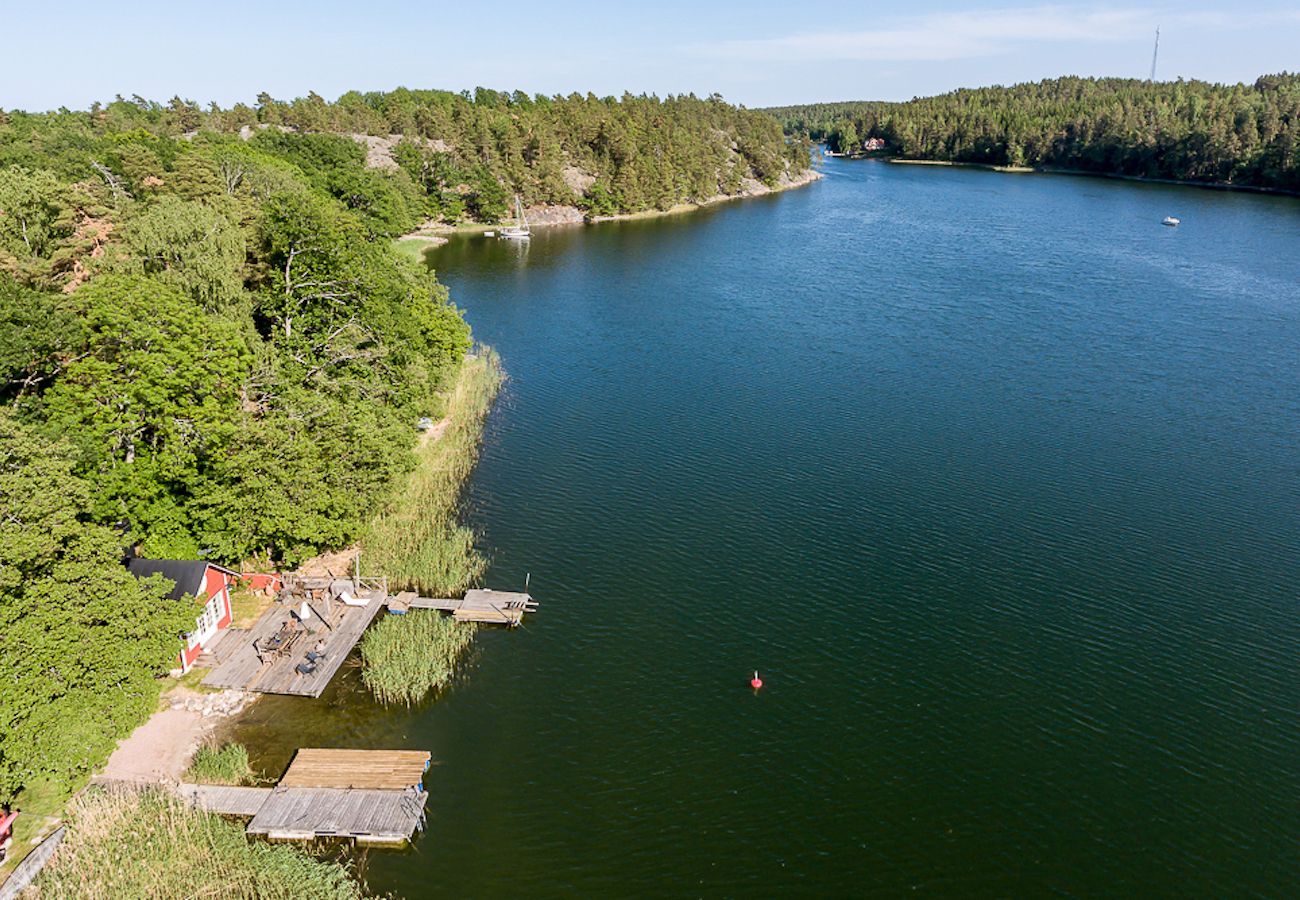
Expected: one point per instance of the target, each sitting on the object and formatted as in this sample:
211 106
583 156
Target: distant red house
208 583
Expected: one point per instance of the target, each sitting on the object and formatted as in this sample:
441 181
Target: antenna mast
1154 54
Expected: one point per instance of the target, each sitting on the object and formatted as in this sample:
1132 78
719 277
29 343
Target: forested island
1245 135
211 349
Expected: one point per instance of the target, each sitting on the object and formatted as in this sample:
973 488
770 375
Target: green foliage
81 640
1186 130
416 540
36 334
151 844
209 340
227 764
189 245
405 657
147 400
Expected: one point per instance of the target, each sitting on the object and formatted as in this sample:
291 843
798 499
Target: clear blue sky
756 53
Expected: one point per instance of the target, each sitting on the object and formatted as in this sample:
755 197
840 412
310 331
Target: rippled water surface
994 478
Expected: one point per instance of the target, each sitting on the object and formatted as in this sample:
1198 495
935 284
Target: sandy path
160 750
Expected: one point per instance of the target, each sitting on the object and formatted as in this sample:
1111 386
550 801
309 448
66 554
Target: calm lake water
995 479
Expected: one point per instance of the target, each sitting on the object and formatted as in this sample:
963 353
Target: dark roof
186 574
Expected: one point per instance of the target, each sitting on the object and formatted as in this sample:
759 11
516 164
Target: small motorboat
1171 221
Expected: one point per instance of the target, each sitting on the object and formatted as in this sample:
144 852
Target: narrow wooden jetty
225 799
370 796
479 605
301 642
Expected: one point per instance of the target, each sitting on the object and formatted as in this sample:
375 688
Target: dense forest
1188 130
210 349
205 351
419 155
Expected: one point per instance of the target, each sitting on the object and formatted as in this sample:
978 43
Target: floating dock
479 605
370 796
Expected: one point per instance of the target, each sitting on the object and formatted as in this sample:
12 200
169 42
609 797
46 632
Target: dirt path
160 750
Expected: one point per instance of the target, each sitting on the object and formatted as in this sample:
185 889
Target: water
993 477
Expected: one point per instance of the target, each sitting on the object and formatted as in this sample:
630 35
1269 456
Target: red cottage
207 582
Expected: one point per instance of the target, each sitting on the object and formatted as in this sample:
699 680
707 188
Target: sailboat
519 231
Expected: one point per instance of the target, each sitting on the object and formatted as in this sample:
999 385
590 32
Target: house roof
185 574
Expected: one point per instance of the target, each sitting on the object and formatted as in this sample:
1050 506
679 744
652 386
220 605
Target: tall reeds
420 545
124 843
405 657
417 541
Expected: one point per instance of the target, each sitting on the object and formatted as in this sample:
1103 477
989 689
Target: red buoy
756 682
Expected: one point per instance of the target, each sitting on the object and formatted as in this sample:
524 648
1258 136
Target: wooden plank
225 799
361 769
377 816
435 603
27 870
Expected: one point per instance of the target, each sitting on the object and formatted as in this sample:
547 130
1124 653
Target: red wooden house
208 583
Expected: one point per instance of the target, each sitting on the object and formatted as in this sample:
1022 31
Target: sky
756 53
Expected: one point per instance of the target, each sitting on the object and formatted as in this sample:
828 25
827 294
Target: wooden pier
303 640
479 605
370 796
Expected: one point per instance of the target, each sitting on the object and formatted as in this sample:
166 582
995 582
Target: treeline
208 348
461 157
1187 130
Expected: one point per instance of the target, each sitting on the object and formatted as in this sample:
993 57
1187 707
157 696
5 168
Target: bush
227 764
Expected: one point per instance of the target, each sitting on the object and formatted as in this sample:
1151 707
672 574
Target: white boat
1171 221
519 231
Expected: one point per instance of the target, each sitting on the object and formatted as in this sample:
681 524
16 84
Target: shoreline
433 235
1084 173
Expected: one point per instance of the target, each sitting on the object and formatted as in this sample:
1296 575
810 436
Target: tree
31 206
150 397
81 639
189 245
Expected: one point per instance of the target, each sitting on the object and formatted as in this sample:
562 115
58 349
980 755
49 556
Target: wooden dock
479 605
371 796
390 770
368 817
225 799
288 653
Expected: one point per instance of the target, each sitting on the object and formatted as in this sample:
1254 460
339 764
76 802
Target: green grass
150 844
417 541
405 657
413 249
40 808
227 764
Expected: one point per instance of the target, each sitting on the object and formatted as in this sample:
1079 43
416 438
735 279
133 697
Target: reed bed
226 764
417 541
405 657
151 844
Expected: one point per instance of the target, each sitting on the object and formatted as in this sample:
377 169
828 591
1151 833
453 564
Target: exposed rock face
379 150
554 215
577 180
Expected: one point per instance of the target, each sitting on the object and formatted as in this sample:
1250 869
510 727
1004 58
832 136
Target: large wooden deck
328 634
